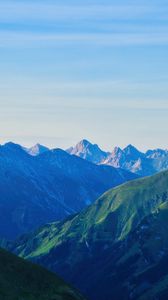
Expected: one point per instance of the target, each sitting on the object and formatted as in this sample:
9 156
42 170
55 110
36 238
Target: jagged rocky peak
88 151
156 153
36 149
131 150
117 151
83 144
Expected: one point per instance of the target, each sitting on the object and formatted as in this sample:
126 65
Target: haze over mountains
46 186
115 249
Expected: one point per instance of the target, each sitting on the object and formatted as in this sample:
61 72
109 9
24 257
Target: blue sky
84 69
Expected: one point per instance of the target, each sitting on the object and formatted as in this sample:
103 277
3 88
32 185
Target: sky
84 69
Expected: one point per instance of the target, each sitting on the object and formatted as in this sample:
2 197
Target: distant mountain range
115 249
21 280
129 158
41 185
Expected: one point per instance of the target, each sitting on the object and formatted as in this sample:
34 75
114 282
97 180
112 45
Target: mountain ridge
129 158
47 187
101 245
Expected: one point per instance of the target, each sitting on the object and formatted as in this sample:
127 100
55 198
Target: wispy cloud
89 95
29 39
12 11
106 25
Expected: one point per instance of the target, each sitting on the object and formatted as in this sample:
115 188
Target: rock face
36 150
88 151
116 249
129 158
20 280
47 187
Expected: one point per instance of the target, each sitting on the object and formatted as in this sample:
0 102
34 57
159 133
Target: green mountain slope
137 268
22 280
99 250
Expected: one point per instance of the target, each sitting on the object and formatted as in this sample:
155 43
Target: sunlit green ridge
111 247
110 218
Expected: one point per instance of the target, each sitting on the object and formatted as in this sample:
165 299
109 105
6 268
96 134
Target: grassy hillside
108 220
110 243
22 280
137 268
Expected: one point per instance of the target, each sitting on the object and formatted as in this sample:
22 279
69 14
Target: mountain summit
88 151
36 150
133 152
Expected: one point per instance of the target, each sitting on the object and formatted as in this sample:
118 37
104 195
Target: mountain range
40 186
22 280
129 158
117 248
